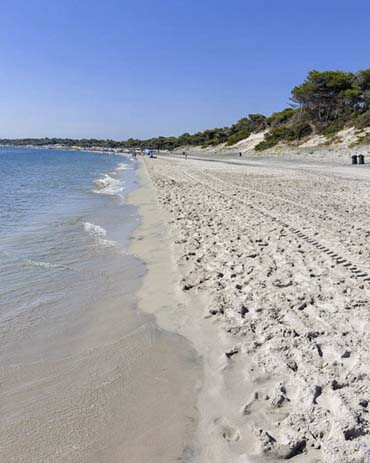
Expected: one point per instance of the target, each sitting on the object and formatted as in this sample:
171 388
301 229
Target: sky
142 68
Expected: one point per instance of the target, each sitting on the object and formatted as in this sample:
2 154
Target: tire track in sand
345 259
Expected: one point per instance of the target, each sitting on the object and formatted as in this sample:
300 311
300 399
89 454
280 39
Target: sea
83 373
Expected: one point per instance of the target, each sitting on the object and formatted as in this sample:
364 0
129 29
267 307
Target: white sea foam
95 230
98 233
45 265
109 185
123 166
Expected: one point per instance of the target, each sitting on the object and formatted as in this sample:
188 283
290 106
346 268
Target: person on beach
185 154
240 154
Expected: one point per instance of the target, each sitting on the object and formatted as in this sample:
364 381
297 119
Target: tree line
324 103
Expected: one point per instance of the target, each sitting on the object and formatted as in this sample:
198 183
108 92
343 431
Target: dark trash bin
354 159
361 159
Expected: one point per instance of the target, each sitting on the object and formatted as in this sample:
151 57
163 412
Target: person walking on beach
185 154
240 154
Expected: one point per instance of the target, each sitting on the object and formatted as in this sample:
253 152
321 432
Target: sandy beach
184 232
268 265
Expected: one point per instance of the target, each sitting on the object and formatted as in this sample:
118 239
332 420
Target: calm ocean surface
59 212
80 367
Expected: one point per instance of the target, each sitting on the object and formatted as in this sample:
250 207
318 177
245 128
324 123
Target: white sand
274 294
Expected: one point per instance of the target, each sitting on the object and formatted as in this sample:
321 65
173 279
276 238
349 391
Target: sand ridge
279 258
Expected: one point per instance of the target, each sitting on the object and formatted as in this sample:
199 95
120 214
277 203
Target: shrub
265 144
332 129
301 130
284 133
273 137
363 120
235 137
281 117
257 122
213 142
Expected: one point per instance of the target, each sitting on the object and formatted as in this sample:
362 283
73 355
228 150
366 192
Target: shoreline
162 295
84 373
157 296
90 377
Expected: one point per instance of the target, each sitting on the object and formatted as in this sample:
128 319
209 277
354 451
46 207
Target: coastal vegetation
324 103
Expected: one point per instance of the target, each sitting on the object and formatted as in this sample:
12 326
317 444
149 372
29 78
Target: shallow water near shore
85 376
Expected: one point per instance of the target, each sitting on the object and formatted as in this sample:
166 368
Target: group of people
150 154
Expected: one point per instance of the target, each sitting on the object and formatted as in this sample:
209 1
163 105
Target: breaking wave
99 233
94 230
108 185
123 166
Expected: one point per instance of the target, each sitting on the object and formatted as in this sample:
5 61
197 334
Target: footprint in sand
228 432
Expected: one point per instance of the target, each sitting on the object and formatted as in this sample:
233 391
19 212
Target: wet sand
172 410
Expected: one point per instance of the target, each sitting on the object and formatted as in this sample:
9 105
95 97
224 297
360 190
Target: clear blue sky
141 68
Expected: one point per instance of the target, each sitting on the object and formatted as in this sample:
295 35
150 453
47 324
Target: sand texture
275 257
